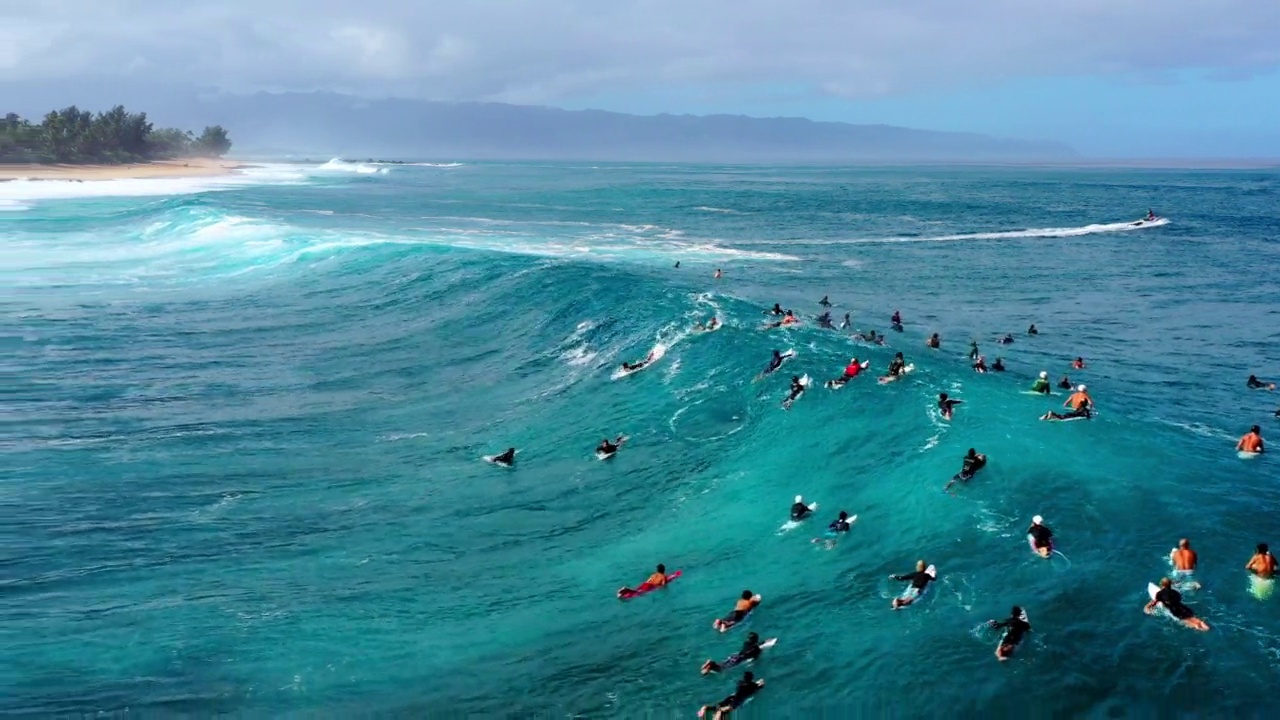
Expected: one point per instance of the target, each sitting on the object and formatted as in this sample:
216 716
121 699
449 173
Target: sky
1120 78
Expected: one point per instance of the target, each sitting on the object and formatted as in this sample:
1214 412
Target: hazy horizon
1129 80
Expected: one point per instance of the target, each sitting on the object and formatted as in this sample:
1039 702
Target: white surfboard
886 379
805 382
1246 455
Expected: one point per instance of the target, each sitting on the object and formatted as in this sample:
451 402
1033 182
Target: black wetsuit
1172 601
800 511
919 580
1064 384
948 405
777 310
896 367
607 448
1041 536
998 366
825 320
838 526
506 458
972 464
1014 629
775 363
744 691
1255 383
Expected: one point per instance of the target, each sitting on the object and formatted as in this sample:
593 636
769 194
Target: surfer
1041 385
852 369
747 687
797 389
631 367
745 604
1078 364
677 264
710 325
507 458
897 366
840 524
1041 537
775 310
1080 403
1065 383
973 349
971 464
1015 628
1251 442
999 365
751 650
608 448
824 302
896 319
1032 330
1172 601
1255 384
775 362
947 405
824 320
1151 214
800 511
980 365
933 342
1184 560
1263 563
1006 340
846 322
788 318
919 581
718 273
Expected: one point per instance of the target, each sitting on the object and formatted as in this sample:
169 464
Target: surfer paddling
1041 537
1015 627
972 463
1172 601
741 609
1263 563
1253 383
919 580
1251 442
1081 405
751 649
506 459
947 405
747 687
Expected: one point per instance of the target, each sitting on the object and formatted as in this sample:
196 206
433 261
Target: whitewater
244 420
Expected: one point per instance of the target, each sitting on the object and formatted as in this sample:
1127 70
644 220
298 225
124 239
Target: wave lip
340 165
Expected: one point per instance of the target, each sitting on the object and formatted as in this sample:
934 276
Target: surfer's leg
710 666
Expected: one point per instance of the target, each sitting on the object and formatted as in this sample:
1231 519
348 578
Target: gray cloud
544 51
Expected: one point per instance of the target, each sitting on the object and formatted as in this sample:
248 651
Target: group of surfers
1080 406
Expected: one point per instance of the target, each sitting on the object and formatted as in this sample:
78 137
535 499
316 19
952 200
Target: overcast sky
1137 77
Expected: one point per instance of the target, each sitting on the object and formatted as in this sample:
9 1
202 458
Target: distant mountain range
326 124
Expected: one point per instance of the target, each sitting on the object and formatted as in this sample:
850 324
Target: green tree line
76 136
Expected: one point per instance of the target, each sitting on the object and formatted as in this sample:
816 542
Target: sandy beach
195 167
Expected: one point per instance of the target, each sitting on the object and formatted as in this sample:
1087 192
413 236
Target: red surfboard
627 593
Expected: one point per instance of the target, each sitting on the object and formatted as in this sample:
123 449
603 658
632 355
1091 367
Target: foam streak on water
244 419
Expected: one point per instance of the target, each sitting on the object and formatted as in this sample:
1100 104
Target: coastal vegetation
117 136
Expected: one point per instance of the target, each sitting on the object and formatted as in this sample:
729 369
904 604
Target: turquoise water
243 424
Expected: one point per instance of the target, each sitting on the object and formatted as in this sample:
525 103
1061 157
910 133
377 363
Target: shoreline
194 167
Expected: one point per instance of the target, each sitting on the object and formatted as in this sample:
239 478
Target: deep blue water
242 424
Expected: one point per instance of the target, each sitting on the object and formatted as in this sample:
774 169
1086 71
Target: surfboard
932 572
1152 591
886 379
654 356
1033 392
1246 455
805 382
627 593
605 456
1261 588
793 524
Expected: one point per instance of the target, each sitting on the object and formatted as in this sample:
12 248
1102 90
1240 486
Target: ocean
244 419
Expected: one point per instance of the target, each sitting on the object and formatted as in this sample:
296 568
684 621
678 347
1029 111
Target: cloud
544 51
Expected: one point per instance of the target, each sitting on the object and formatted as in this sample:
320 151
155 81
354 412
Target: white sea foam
20 194
1094 229
340 165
